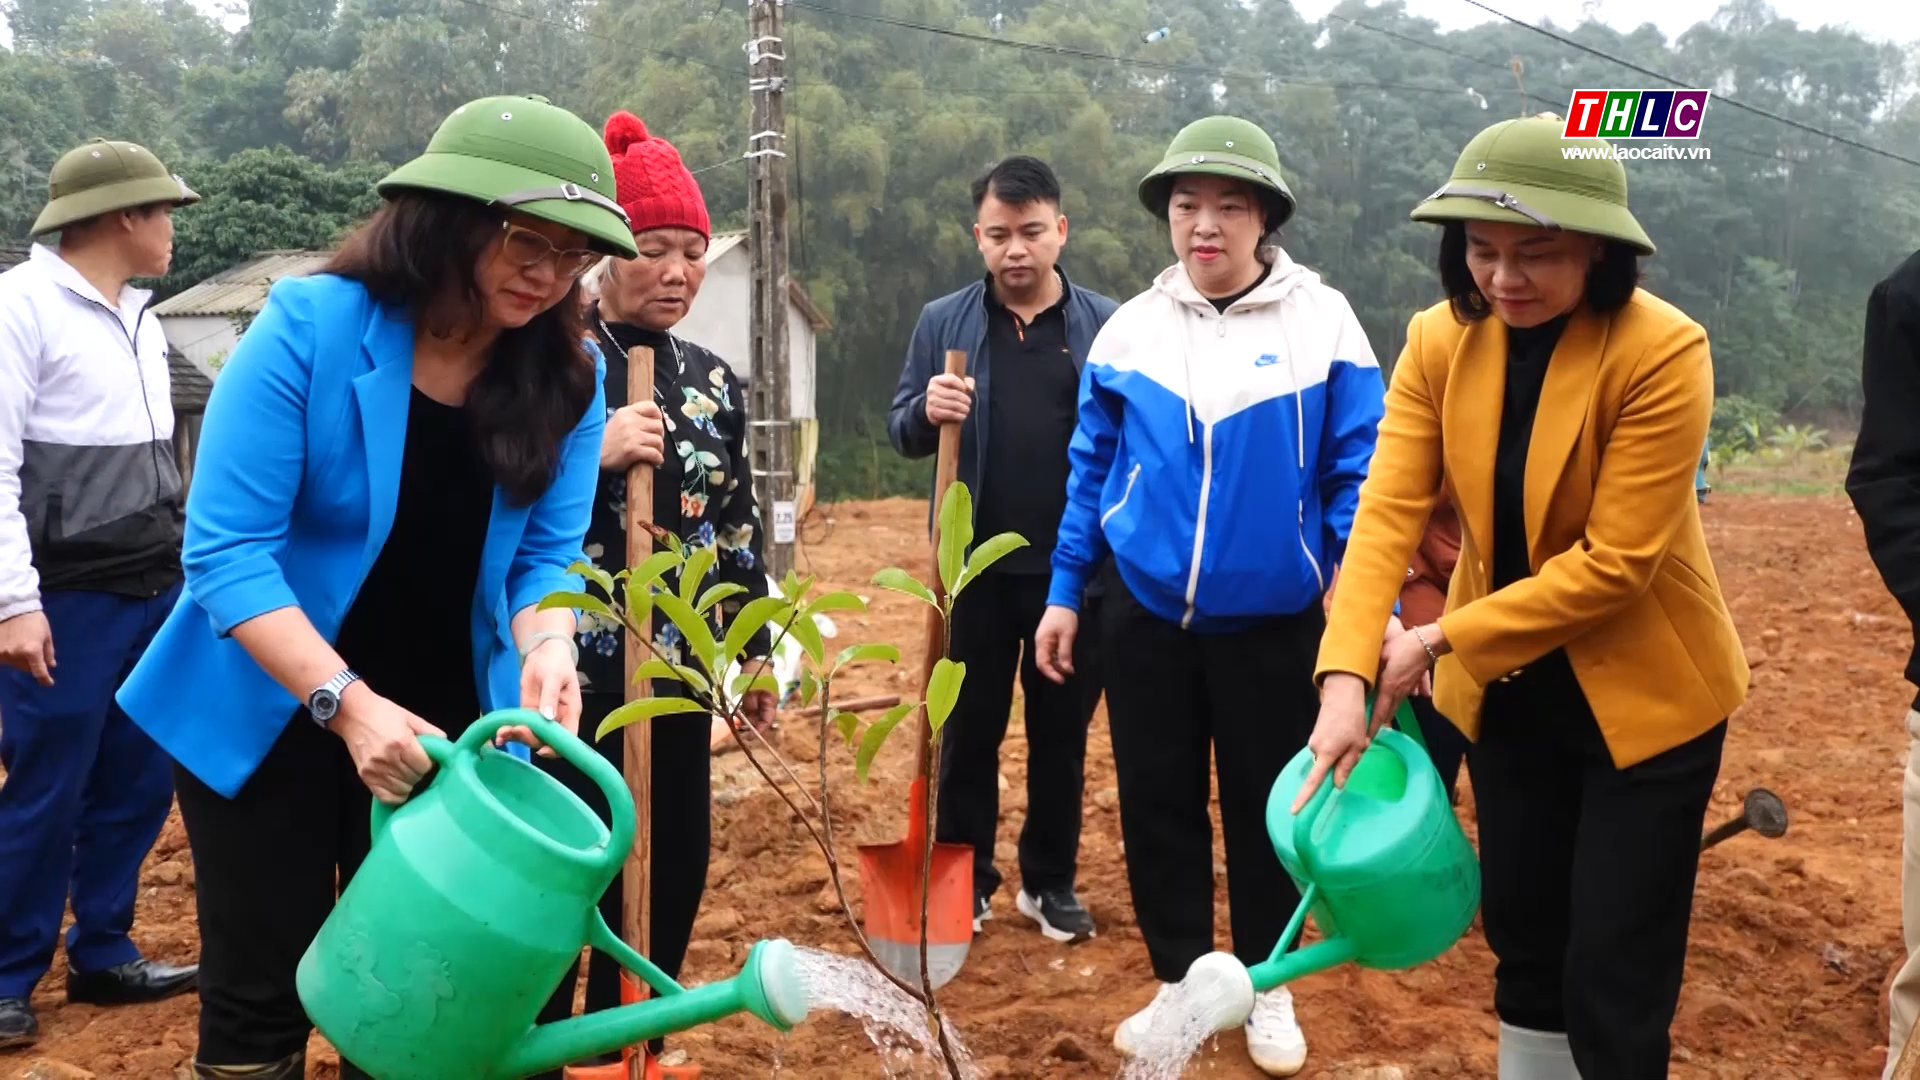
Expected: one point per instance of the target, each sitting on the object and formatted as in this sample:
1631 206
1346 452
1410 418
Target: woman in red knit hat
693 430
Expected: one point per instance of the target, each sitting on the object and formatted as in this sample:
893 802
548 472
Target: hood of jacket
1284 277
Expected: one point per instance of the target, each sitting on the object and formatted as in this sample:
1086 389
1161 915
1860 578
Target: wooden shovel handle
636 894
946 469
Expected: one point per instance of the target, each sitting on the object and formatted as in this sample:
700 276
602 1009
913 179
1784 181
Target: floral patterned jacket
702 494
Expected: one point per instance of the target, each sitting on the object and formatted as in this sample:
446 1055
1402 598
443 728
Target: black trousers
1587 871
1248 700
267 864
682 836
1446 744
993 625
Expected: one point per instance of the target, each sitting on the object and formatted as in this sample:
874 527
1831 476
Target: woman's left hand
1405 670
550 685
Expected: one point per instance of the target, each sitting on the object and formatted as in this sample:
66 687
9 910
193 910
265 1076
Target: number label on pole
783 523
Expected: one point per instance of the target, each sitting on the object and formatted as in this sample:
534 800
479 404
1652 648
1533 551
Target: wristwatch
324 703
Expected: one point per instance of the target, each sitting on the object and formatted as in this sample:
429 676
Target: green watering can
1387 873
475 899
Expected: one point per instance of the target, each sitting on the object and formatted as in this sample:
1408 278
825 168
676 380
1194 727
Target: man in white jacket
90 525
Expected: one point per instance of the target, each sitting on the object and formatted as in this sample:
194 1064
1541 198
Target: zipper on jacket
1307 551
1124 495
1200 520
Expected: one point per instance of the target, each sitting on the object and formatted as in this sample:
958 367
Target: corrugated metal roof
190 385
242 290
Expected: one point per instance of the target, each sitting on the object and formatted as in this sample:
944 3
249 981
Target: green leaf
694 628
943 690
576 601
900 581
718 593
861 654
809 689
748 621
639 608
835 601
644 709
655 668
694 573
988 553
846 724
592 573
752 678
876 734
805 631
795 586
956 534
652 569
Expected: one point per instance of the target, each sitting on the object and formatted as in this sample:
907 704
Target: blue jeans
85 794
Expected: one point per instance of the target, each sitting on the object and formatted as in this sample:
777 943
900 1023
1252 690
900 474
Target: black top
410 631
1223 303
1528 352
1883 480
1034 405
703 494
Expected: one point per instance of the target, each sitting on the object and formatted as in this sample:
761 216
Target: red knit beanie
650 182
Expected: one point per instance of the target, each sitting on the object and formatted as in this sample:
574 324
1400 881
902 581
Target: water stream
894 1021
1183 1021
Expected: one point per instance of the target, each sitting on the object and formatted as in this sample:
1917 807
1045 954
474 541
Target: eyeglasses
523 247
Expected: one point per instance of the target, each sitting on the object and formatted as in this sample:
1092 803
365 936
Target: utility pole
771 442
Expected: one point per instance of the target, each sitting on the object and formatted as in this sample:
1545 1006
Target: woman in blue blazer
397 464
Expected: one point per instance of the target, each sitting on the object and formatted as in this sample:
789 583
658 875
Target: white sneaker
1274 1040
1133 1030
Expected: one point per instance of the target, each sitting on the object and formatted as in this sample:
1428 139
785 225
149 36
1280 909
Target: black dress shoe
18 1027
132 983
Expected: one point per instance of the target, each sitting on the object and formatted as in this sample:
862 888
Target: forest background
283 113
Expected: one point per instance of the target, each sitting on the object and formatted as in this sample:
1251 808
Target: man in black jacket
1026 331
1884 482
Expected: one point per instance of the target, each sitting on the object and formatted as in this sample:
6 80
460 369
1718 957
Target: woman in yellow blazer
1585 647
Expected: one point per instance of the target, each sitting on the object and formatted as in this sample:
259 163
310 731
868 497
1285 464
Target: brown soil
1792 941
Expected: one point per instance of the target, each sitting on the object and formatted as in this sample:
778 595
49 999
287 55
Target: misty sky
1895 20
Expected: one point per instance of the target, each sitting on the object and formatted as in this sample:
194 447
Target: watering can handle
1309 815
564 742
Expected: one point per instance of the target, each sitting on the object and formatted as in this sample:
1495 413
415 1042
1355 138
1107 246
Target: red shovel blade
890 885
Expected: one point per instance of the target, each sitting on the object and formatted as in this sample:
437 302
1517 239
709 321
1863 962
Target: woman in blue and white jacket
1227 415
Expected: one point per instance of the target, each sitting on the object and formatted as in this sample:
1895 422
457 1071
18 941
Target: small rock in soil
1068 1048
1106 798
51 1069
169 873
719 923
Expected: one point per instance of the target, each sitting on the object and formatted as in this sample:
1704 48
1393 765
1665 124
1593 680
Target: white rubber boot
1535 1055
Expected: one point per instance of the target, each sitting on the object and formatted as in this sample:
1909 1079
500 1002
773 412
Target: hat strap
1499 198
569 192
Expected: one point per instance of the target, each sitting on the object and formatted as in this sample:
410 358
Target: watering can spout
1283 968
769 986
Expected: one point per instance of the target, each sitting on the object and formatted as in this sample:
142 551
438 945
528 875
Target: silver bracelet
545 636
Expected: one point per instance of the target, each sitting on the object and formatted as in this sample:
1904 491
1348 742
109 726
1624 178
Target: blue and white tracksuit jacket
1219 457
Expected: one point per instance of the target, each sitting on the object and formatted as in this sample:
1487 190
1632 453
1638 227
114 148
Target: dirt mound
1792 938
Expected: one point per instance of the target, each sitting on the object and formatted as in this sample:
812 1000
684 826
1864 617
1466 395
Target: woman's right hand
1339 735
384 740
635 432
1053 643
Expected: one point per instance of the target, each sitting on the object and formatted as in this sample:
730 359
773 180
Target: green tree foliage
1772 245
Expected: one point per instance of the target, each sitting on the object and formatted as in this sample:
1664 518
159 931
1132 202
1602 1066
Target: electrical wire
1670 80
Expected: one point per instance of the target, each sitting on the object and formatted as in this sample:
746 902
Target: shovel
890 873
1763 812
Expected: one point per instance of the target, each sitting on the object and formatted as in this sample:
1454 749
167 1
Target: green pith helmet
99 176
525 154
1223 146
1515 171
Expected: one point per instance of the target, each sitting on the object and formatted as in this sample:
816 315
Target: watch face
324 704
